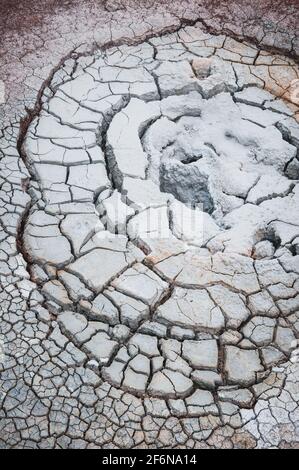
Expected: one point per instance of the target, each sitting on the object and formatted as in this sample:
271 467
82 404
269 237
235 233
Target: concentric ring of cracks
163 229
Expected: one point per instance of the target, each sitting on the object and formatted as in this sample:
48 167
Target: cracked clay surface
149 244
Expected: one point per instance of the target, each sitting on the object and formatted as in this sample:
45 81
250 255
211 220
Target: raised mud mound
167 298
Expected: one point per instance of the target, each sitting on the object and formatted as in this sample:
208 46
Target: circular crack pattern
163 226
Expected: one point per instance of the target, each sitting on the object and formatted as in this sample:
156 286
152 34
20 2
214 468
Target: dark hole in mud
192 159
293 249
272 237
187 184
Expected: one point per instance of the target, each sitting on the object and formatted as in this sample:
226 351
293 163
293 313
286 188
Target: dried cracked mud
149 251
